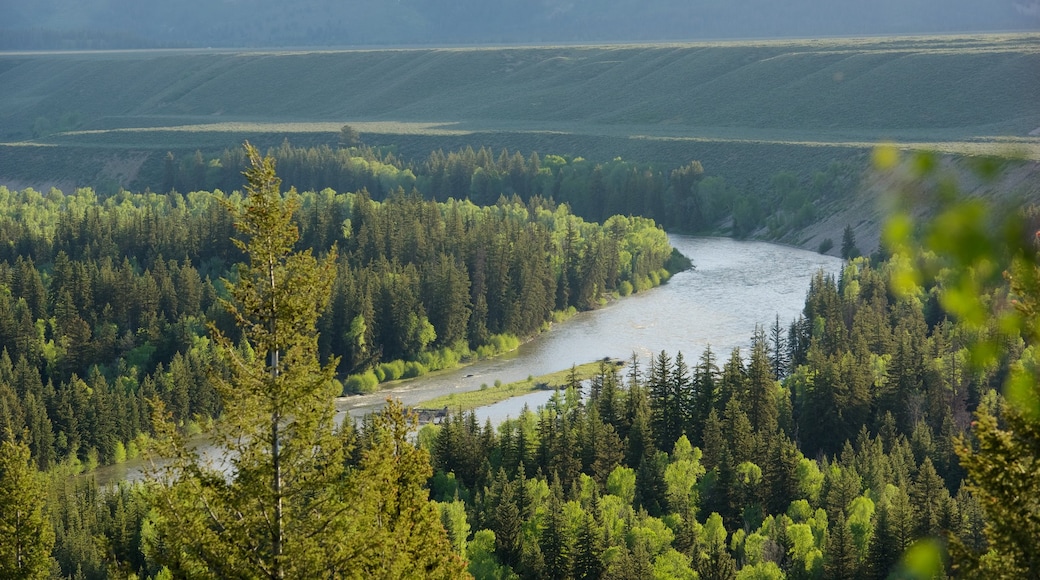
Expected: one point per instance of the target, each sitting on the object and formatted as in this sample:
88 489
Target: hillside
936 88
746 110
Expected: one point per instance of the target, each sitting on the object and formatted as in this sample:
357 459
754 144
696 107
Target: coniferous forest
891 429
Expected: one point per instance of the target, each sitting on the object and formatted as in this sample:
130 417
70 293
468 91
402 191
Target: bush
390 371
486 351
625 288
442 358
413 369
365 382
562 315
640 283
504 343
826 245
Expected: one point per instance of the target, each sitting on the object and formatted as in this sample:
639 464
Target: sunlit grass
493 394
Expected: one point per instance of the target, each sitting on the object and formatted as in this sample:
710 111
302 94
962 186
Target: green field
745 109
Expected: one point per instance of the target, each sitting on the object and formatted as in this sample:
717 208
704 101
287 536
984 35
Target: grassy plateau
745 109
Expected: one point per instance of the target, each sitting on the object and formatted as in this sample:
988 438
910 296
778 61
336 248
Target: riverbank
488 395
390 374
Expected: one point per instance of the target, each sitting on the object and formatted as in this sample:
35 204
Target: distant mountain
101 24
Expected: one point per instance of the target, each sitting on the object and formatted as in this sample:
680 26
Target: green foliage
481 555
861 456
453 517
966 253
761 571
622 483
24 525
290 506
366 382
672 564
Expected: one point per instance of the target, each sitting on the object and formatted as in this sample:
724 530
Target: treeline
683 198
104 304
825 452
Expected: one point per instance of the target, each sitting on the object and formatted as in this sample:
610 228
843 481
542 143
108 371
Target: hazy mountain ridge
68 24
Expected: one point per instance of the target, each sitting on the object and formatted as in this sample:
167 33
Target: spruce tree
587 562
554 542
840 555
26 535
282 501
761 395
848 244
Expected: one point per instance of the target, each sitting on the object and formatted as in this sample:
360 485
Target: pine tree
715 444
286 504
587 562
840 556
705 397
555 543
761 396
848 244
779 357
393 529
26 535
931 501
662 400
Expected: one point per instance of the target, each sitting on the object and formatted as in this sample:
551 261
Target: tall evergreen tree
779 356
555 538
588 564
840 555
761 396
848 244
26 535
287 506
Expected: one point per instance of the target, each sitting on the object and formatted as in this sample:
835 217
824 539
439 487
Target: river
734 286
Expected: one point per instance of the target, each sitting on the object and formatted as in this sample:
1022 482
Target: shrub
365 382
504 342
390 371
442 358
413 369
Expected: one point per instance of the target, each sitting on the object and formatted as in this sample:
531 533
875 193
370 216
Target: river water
734 286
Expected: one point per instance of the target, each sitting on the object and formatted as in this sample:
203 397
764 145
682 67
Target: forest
897 415
112 297
684 198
